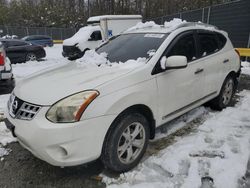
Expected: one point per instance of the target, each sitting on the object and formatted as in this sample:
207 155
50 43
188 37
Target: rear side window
208 44
221 40
184 46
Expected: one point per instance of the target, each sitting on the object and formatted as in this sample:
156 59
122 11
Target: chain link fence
233 17
55 33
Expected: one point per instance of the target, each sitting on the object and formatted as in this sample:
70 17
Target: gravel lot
21 169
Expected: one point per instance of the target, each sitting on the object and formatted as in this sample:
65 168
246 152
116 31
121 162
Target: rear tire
227 92
126 142
31 57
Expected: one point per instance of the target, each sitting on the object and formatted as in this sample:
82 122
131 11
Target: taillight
2 59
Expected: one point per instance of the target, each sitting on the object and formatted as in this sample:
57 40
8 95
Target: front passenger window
185 46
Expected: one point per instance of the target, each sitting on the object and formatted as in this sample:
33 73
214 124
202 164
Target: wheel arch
234 75
140 108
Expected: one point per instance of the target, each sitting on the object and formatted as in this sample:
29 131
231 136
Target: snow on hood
81 36
89 72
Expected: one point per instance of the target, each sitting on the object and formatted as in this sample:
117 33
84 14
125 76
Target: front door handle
226 61
198 71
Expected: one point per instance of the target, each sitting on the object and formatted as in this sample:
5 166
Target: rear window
208 44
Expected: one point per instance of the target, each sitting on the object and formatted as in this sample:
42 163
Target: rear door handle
198 71
226 61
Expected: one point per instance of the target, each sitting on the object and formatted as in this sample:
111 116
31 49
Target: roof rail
188 24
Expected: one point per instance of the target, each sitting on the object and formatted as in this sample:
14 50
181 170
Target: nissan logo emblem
14 106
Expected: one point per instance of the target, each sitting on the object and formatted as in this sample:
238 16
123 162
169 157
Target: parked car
111 112
7 82
41 40
19 51
98 29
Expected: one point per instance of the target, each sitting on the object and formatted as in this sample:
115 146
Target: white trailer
99 29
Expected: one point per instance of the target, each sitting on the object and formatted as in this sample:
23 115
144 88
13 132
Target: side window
208 44
221 40
96 35
184 46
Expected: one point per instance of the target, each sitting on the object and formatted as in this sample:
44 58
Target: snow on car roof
98 18
152 27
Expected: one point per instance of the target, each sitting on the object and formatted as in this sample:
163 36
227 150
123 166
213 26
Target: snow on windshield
92 59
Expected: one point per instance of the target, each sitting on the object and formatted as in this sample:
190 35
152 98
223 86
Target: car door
215 60
16 50
180 89
95 39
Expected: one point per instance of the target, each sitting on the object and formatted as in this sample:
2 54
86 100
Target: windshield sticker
154 36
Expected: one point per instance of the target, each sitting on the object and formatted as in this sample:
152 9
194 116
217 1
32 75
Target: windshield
132 46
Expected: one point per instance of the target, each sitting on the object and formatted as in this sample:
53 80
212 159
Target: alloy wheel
31 57
131 143
228 92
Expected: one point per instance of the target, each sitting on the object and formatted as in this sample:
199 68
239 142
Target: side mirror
174 62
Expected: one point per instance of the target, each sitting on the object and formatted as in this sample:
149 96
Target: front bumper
65 144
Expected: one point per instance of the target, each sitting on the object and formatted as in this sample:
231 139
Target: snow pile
92 59
5 135
219 149
141 25
10 37
3 104
169 26
5 138
173 24
245 67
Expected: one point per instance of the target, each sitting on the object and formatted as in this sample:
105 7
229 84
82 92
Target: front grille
20 109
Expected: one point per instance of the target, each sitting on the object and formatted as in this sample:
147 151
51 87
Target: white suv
73 114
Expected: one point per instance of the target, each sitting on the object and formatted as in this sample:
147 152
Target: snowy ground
245 68
218 149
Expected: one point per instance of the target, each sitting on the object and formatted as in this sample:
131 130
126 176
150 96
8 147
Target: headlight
71 108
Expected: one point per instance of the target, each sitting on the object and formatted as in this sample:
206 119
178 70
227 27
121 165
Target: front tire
226 94
126 142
